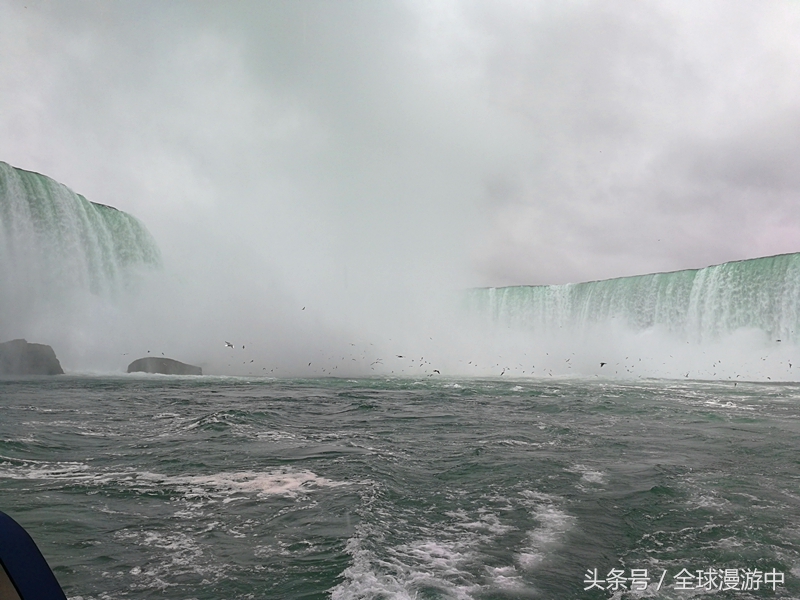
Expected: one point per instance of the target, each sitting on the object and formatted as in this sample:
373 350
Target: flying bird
602 364
228 345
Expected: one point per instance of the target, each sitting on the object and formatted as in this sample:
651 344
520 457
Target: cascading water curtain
697 305
54 242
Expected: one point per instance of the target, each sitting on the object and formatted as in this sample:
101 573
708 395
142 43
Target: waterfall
55 244
696 305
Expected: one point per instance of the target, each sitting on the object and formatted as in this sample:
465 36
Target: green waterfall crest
54 242
696 304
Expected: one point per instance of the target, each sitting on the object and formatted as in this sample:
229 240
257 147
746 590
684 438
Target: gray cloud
647 122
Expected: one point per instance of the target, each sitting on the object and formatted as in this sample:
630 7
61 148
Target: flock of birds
329 365
364 359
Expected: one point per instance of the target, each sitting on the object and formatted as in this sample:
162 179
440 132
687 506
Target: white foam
594 476
507 578
444 560
11 468
285 482
510 442
275 436
490 523
728 404
538 496
541 541
407 569
362 582
178 553
588 475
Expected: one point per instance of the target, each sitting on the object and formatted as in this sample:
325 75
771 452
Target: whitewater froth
738 320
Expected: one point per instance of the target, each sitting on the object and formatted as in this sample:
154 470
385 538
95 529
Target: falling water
55 244
696 305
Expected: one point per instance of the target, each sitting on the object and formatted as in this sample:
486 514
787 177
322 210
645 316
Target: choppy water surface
167 487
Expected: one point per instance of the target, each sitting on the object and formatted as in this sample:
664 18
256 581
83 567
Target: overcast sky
321 146
517 142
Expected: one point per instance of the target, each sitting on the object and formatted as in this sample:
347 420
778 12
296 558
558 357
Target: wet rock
165 366
18 357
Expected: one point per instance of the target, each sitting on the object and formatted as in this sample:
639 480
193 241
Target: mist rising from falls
58 250
70 275
738 319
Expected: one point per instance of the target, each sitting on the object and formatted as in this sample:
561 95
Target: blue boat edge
25 574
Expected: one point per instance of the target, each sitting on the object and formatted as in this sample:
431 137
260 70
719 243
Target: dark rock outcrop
165 366
18 357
